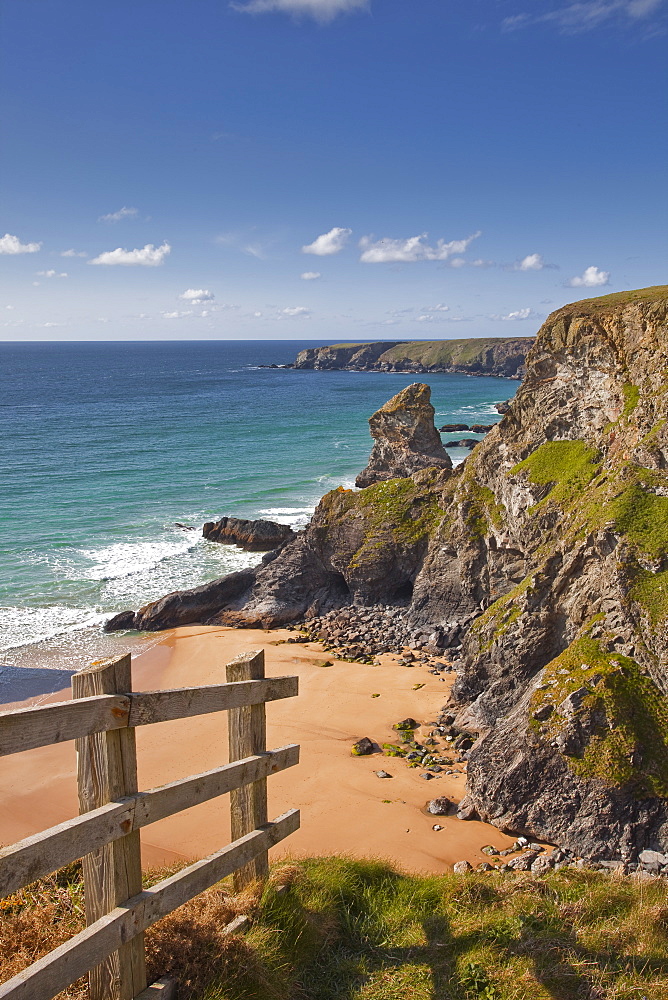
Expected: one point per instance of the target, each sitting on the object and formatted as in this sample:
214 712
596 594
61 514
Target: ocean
114 454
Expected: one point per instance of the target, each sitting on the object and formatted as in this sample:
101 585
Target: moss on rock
622 709
567 466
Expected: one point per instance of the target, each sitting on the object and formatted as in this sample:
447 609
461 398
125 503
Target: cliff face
550 546
481 356
565 674
554 535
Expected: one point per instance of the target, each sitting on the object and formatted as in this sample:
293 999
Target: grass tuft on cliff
624 711
345 929
566 466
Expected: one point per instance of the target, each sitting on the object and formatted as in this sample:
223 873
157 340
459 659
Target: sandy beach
345 807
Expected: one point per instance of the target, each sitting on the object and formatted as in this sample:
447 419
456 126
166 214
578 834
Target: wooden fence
102 718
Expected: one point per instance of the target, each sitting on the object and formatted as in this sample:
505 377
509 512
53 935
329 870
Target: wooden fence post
107 770
247 729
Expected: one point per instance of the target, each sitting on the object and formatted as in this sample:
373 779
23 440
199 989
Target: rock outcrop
503 356
405 438
183 607
548 548
252 536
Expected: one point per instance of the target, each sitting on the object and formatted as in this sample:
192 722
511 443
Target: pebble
383 774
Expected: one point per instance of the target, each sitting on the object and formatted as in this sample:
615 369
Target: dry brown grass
190 943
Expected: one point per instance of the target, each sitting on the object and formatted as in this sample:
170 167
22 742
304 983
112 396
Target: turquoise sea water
105 447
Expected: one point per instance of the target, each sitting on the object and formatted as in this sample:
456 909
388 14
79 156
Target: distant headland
504 356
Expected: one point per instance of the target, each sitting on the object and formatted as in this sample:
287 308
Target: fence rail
102 719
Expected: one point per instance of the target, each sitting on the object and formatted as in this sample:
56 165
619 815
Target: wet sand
345 807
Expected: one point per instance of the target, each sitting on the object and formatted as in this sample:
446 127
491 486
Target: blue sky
334 169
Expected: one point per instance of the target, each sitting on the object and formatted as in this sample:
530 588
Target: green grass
631 398
568 466
650 590
480 507
629 745
359 930
345 929
655 293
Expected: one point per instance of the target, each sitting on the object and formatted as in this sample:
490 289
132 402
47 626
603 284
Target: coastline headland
538 566
501 356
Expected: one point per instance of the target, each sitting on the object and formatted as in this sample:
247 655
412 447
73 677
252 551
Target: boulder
440 806
462 443
461 867
253 536
450 428
406 439
363 747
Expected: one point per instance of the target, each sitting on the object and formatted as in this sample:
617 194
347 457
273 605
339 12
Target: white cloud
321 10
12 245
122 213
329 243
411 249
196 296
74 253
52 274
591 278
148 256
257 314
526 313
49 325
586 15
176 314
293 311
311 275
532 262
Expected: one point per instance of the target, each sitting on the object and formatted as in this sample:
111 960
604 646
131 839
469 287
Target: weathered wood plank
51 849
107 771
247 734
163 989
27 728
53 973
149 707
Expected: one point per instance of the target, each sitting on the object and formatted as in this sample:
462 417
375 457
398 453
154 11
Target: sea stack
405 438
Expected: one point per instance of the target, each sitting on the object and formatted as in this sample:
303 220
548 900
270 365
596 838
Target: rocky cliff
405 438
549 548
479 356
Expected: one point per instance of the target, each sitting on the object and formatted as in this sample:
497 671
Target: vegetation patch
344 929
480 508
499 616
631 398
650 590
655 293
567 466
622 709
445 352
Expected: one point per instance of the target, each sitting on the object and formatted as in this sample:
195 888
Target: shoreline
346 808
